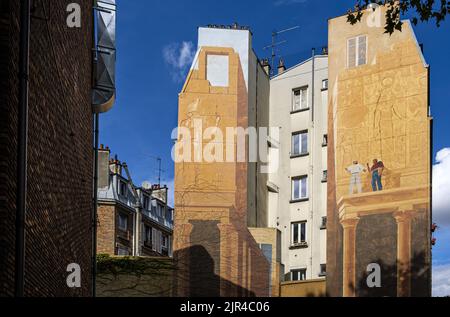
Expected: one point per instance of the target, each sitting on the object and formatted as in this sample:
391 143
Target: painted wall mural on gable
380 162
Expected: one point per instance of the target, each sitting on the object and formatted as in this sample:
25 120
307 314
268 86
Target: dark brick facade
60 157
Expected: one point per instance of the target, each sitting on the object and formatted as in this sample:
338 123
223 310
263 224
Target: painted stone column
403 219
181 255
349 257
226 233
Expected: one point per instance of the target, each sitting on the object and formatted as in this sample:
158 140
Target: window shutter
153 239
158 239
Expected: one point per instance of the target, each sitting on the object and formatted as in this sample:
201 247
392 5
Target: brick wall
124 238
109 236
8 135
106 229
60 156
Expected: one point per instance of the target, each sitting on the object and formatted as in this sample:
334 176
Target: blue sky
149 67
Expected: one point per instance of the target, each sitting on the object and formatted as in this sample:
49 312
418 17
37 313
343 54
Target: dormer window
122 188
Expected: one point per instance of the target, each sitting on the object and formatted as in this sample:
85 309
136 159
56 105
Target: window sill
299 110
299 246
323 228
324 144
324 181
294 201
299 155
322 274
324 89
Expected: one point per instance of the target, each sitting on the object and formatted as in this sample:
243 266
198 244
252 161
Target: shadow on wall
419 275
197 275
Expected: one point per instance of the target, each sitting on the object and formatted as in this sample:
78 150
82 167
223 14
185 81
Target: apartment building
132 221
379 118
298 189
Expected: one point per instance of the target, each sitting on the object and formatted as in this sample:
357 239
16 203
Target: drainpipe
312 157
21 194
95 200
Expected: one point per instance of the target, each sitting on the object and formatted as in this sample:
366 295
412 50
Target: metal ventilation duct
104 90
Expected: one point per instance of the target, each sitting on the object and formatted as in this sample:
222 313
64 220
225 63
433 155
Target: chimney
116 166
281 67
266 66
103 167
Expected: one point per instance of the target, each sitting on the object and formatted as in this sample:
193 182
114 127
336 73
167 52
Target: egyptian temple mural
215 252
379 161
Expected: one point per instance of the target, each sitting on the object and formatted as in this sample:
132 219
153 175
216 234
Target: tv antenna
160 170
275 44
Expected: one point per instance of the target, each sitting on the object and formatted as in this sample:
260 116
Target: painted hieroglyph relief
380 159
215 251
383 115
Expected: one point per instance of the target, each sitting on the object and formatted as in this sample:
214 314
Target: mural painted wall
215 253
379 161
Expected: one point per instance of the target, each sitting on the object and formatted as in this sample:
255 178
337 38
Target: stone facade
60 165
378 109
132 221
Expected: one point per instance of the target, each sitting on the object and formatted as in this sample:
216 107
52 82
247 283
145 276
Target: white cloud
441 188
441 280
287 2
179 57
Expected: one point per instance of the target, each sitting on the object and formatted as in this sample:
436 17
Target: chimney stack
281 67
265 65
103 166
116 166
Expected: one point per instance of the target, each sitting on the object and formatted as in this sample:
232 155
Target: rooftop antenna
160 170
275 44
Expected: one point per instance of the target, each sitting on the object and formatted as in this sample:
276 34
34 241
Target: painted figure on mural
377 173
355 180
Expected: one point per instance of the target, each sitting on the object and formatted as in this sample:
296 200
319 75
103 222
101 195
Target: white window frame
299 224
356 38
301 150
325 84
299 272
301 89
300 188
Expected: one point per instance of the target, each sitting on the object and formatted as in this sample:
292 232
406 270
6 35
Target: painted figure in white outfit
355 180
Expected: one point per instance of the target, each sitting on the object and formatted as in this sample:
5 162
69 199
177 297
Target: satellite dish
146 185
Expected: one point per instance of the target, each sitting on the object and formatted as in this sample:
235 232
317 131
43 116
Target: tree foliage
421 10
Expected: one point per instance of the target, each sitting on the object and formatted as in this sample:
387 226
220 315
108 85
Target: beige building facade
217 199
378 109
